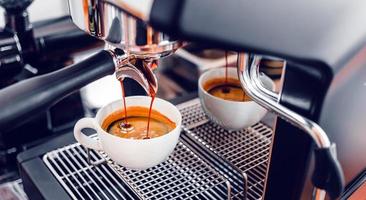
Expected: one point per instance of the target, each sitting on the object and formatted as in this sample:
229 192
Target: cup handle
84 139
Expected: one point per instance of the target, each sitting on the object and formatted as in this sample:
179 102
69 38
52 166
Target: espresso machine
317 134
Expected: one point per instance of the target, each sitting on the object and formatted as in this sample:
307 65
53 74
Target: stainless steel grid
208 163
82 180
247 150
184 175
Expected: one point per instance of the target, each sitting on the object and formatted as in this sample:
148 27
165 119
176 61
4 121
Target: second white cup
232 115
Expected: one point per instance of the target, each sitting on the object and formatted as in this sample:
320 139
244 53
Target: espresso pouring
138 122
226 87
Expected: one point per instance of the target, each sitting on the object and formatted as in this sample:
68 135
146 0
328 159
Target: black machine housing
324 44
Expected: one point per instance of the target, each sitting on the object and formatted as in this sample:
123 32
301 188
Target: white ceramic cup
232 115
132 153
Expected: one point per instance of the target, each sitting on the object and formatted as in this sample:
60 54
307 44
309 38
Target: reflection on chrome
249 77
108 20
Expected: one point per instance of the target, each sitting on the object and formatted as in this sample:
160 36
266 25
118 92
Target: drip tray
246 151
208 163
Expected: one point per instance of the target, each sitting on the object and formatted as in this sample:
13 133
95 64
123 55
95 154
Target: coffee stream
226 66
125 126
226 88
124 102
152 94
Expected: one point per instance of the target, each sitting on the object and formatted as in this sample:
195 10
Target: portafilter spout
139 70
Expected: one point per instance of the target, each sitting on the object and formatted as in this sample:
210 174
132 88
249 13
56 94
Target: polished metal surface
83 181
269 93
106 20
249 77
126 68
208 163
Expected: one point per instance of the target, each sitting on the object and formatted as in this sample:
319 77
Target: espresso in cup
226 88
224 101
134 153
135 125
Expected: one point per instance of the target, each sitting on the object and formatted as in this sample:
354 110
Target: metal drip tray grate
184 175
82 180
247 150
208 163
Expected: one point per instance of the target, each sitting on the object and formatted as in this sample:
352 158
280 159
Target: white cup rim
178 123
230 69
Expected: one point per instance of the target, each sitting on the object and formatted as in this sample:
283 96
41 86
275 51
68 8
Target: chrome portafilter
107 21
143 45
